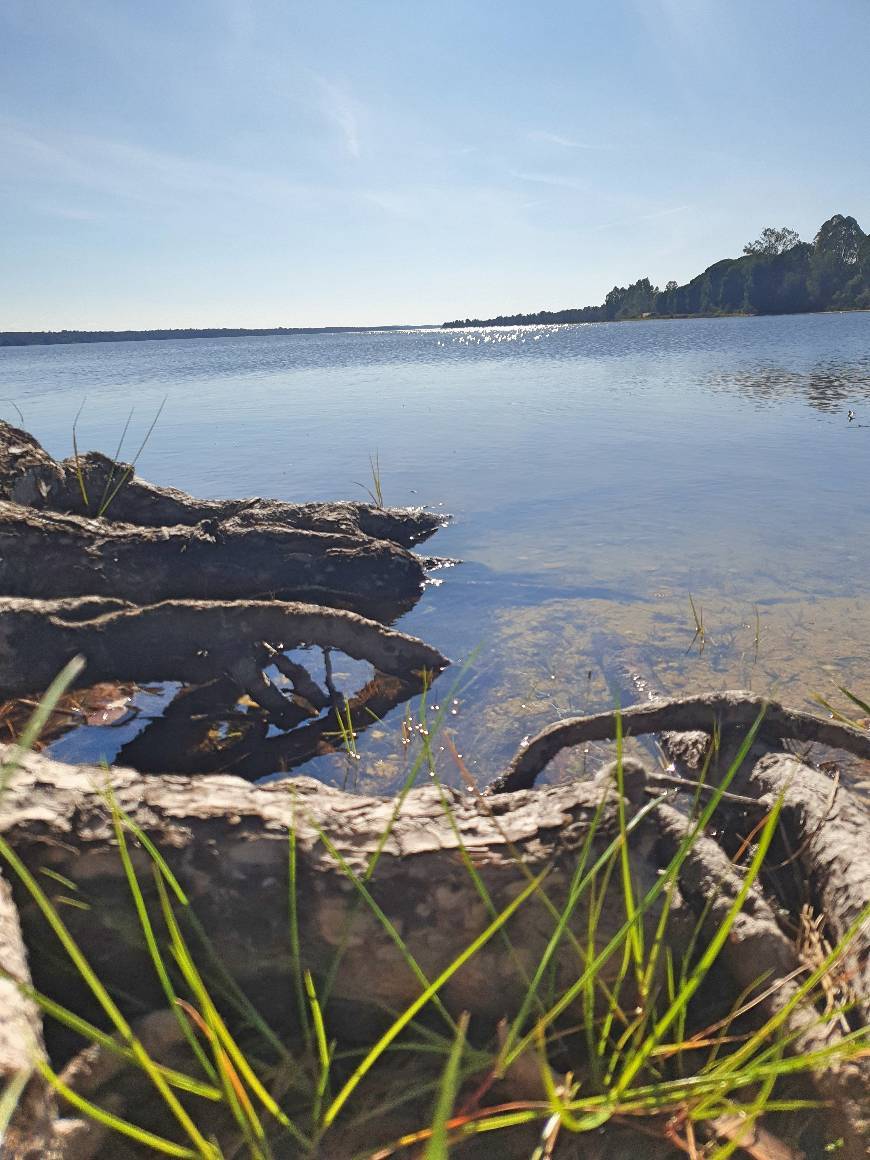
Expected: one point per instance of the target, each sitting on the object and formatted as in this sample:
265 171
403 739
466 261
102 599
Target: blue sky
268 162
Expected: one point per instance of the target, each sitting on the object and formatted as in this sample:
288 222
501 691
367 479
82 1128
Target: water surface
598 475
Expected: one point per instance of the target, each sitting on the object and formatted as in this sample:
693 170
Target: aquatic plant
375 493
700 631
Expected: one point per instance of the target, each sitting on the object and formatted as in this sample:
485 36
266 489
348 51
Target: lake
599 476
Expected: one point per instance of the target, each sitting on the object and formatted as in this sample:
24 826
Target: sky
255 163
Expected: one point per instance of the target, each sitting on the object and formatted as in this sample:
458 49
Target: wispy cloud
447 203
397 203
134 172
554 179
339 107
565 142
645 217
68 213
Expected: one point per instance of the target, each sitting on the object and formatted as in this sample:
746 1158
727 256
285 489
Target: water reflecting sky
597 474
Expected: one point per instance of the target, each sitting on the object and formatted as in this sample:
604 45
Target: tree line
56 337
776 274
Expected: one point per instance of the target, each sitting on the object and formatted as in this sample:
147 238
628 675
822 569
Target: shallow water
598 475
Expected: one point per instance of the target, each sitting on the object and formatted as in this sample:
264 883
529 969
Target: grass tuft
113 484
626 1040
374 492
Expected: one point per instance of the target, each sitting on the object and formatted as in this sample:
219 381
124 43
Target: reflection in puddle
215 728
539 653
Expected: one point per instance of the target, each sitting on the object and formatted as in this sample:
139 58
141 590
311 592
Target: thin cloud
339 107
645 217
565 142
68 213
554 179
401 205
446 203
134 172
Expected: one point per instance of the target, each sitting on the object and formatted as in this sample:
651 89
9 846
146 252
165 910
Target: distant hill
777 274
53 337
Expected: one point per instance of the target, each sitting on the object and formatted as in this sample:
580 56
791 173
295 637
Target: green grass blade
388 926
67 883
484 895
324 1051
801 994
232 992
295 944
750 1116
405 1018
408 784
862 705
617 940
104 506
37 720
635 939
101 1116
829 708
102 996
241 1001
578 889
150 937
155 856
79 476
580 882
708 957
215 1021
12 1093
94 1034
438 1147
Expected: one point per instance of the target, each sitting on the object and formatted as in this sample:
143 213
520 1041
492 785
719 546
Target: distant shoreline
776 274
22 338
68 337
485 323
491 323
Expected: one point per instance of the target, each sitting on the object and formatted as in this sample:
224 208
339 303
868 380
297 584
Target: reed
114 482
700 632
374 492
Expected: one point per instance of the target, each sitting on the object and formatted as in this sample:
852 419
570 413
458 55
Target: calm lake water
597 475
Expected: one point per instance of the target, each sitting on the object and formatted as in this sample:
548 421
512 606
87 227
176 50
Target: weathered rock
30 476
46 555
192 641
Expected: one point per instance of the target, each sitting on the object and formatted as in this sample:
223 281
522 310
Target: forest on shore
776 274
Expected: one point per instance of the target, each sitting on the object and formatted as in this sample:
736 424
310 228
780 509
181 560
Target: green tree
837 274
772 241
841 238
